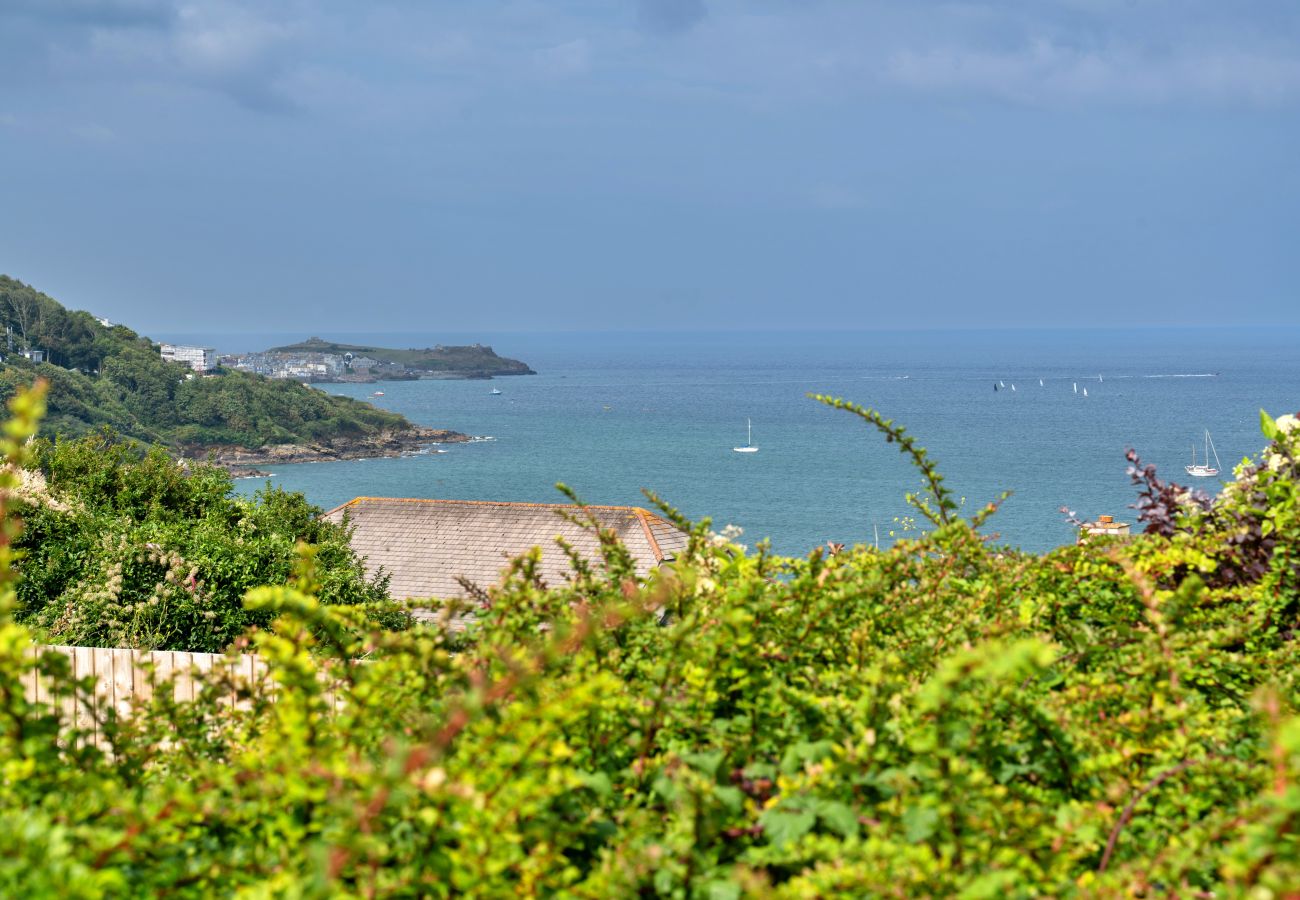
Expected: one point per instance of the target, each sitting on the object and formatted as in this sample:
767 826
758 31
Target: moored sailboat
1204 469
749 439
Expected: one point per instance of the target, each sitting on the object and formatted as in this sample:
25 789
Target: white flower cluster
1288 429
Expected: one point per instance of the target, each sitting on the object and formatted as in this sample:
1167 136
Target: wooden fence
123 678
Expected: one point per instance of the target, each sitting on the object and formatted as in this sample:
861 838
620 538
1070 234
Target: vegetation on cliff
126 548
941 718
109 375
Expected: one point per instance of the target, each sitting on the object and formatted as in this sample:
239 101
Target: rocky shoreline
243 462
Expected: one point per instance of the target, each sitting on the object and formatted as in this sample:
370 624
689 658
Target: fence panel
122 680
82 702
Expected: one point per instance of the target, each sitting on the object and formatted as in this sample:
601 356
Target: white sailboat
1076 387
1085 392
749 439
1204 469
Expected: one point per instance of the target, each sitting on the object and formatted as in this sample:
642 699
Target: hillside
472 361
108 375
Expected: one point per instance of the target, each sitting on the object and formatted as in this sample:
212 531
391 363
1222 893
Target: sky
517 165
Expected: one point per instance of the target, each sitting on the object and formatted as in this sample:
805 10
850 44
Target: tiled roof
424 545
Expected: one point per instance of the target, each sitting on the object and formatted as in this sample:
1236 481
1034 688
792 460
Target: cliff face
395 442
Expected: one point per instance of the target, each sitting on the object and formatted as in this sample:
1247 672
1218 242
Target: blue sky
668 164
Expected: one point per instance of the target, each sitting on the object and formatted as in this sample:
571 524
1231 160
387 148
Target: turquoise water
610 414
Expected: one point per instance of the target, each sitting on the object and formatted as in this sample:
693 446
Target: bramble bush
943 717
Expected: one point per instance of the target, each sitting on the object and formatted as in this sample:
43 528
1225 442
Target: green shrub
942 718
128 548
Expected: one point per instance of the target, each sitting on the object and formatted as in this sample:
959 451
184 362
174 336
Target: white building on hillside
200 359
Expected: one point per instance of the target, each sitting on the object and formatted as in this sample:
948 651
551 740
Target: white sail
749 439
1204 469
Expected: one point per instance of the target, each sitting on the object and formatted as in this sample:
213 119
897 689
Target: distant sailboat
995 387
749 439
1099 378
1003 383
1085 392
1076 387
1013 387
494 392
1204 470
1040 382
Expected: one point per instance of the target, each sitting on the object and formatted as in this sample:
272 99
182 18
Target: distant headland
318 360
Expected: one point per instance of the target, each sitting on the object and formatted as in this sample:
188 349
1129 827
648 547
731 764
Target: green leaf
919 823
1267 425
731 798
991 885
723 890
598 782
783 826
796 755
838 817
663 880
707 763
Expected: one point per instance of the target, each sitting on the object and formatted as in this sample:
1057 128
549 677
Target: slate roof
424 545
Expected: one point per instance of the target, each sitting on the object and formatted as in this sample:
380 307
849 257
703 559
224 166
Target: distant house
36 356
1105 526
200 359
428 546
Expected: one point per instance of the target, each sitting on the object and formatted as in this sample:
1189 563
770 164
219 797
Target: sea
613 414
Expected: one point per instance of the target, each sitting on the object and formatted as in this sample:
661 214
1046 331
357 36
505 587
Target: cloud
1044 70
223 47
668 17
351 59
569 58
834 196
232 47
120 13
235 51
94 133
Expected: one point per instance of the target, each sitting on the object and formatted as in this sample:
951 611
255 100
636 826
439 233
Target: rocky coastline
244 462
